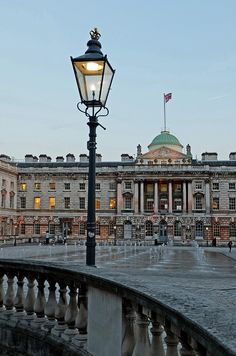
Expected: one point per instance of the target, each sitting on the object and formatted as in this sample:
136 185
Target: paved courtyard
200 282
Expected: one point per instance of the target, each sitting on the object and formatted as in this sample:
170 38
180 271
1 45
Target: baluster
29 302
157 347
172 342
60 311
142 345
186 349
50 307
19 298
9 296
81 321
39 305
128 341
70 315
1 292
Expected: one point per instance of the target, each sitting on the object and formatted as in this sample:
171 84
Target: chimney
70 157
98 157
59 159
29 158
35 159
5 158
42 158
49 159
209 156
83 158
232 156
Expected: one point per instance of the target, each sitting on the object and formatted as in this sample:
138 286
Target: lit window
37 202
177 188
67 186
163 187
67 202
52 186
112 203
215 203
52 202
215 186
98 204
37 186
82 186
23 186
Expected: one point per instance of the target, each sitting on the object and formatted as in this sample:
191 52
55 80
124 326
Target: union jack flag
167 97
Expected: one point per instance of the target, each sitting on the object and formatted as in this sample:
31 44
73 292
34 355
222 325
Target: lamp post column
91 219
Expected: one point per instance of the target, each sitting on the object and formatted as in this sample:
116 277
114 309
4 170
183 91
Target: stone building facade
162 193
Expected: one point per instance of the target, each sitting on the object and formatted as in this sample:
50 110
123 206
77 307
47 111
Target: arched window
199 229
149 228
177 228
232 230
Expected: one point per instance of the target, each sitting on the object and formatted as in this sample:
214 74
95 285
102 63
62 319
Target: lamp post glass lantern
94 75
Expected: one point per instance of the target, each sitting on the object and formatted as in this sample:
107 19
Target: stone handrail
77 310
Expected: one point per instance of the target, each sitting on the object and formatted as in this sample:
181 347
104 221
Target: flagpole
164 112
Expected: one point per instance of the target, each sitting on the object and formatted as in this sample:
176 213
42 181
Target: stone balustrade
53 309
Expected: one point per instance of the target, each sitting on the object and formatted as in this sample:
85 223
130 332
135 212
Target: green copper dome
165 138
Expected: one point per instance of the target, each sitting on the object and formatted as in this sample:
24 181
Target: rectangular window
23 186
11 201
51 229
178 204
52 202
81 186
3 201
128 203
128 185
98 186
232 204
22 229
198 185
112 186
67 202
149 204
112 203
3 182
52 186
216 230
82 228
82 203
149 188
198 202
67 186
215 203
177 188
12 185
23 202
231 186
37 229
98 204
163 187
163 204
37 186
37 202
215 186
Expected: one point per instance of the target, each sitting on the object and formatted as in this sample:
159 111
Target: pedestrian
47 237
230 245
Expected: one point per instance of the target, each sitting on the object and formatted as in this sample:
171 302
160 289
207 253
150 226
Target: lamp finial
95 34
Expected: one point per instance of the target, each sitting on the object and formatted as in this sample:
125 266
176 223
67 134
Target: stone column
156 197
170 196
142 197
190 197
119 196
207 197
136 209
184 198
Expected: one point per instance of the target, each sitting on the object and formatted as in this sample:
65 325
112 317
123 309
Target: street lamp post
94 75
207 235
